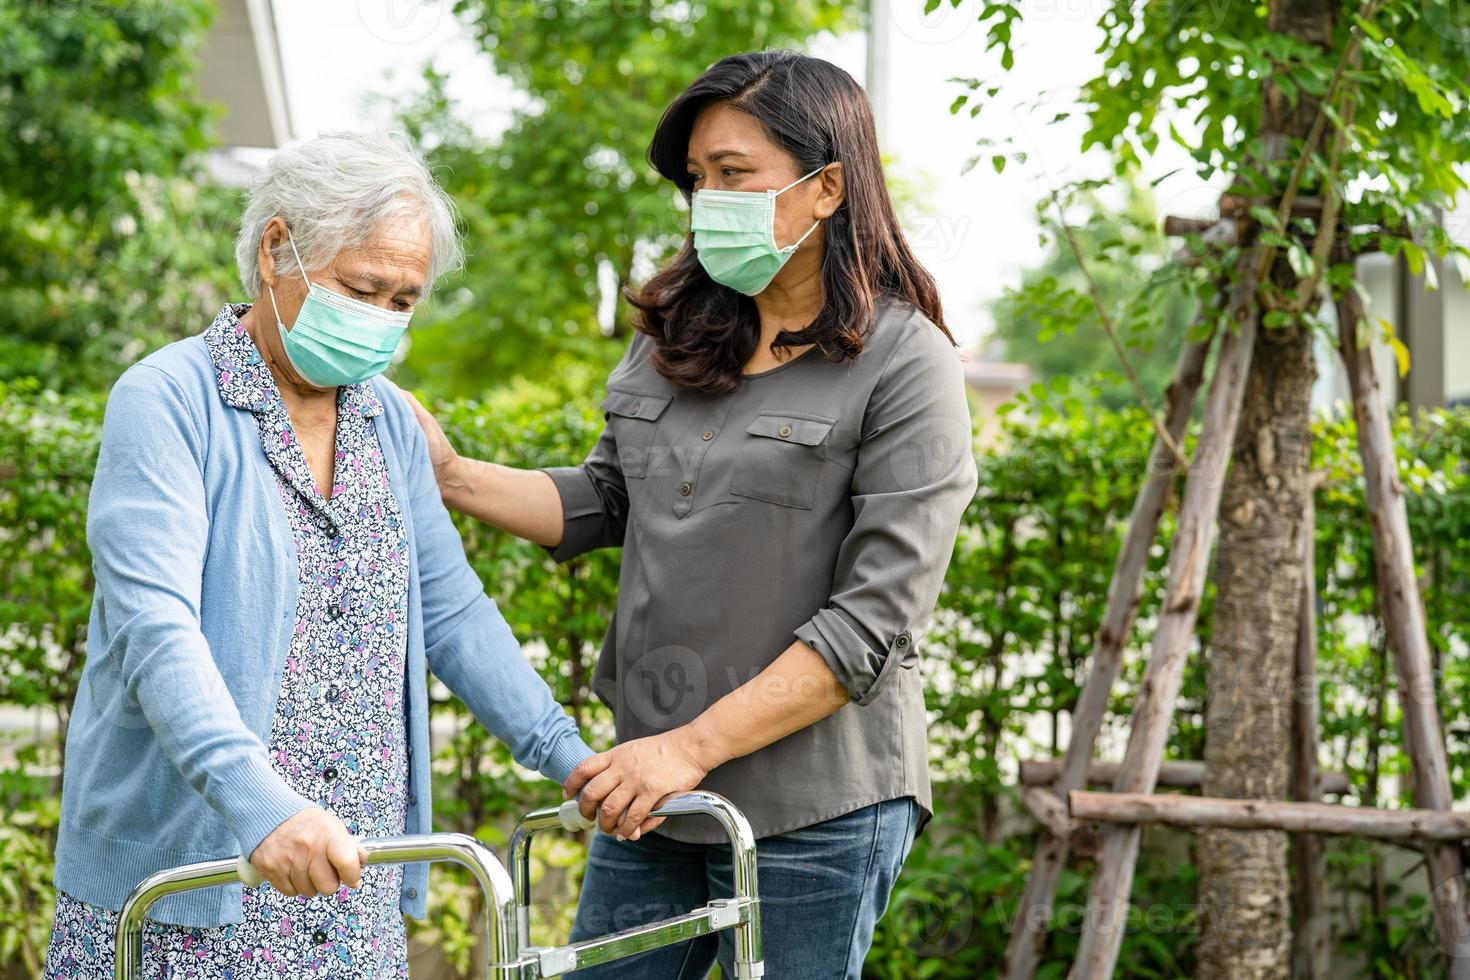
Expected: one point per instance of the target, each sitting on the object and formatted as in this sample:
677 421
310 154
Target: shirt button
634 409
903 639
707 435
684 489
333 693
785 431
318 937
329 773
335 611
412 798
413 893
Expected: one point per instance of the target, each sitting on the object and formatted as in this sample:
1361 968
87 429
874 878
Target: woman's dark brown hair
705 332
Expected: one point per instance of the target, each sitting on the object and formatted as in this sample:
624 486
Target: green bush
1004 661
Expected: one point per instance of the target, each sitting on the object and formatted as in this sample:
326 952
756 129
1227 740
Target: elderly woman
275 571
785 463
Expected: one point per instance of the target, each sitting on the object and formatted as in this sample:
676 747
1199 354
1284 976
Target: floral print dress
338 736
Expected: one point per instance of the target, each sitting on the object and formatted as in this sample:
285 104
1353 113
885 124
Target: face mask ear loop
792 246
302 266
281 326
798 180
299 263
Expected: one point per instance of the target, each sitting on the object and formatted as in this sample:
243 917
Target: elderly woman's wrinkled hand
310 853
621 786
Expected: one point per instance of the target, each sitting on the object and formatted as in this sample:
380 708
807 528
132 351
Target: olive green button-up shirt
819 501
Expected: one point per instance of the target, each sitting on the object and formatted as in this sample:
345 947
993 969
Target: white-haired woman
275 573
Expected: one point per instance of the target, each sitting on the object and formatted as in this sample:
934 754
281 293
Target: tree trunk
1244 879
1244 885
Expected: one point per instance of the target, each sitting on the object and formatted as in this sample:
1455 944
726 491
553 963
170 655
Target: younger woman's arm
520 502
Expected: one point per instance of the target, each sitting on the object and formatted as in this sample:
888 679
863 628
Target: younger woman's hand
625 783
441 453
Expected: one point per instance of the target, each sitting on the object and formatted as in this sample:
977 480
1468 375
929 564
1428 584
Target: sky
975 232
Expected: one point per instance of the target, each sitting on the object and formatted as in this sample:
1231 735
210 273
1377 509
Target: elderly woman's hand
629 780
311 852
441 452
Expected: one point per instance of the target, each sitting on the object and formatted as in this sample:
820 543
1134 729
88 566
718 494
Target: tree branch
1107 323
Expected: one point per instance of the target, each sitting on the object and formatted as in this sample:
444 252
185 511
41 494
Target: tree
109 245
1271 89
563 211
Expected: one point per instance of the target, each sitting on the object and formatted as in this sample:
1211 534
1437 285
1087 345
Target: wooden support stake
1220 231
1188 558
1404 627
1240 204
1048 809
1031 921
1181 810
1309 957
1173 774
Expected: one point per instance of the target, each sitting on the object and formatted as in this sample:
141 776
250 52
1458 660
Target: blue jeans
822 890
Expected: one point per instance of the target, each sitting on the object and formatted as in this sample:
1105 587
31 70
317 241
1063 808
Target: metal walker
508 895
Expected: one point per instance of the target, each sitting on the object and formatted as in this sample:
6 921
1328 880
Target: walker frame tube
507 896
740 912
396 849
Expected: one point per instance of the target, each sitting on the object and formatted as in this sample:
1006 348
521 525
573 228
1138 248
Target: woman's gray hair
333 192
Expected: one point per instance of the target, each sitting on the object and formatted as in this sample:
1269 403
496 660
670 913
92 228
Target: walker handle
571 818
505 961
248 875
251 876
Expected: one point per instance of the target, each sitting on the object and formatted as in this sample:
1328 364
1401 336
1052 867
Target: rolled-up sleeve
594 496
914 476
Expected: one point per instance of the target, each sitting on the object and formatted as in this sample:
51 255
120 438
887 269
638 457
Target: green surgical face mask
338 340
735 236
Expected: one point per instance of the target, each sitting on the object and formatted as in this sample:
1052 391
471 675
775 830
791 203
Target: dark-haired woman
785 462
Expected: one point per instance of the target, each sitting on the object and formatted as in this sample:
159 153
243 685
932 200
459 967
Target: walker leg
740 912
749 964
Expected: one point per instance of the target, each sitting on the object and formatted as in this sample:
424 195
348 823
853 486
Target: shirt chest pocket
633 417
782 458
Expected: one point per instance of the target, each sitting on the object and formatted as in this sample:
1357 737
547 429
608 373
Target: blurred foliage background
114 241
1004 662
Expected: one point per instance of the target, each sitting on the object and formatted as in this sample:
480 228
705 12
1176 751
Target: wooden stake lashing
1034 916
1405 629
1188 558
